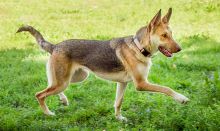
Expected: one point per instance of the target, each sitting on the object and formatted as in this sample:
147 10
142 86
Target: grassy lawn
194 72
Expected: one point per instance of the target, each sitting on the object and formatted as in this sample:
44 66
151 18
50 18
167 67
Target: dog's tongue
165 52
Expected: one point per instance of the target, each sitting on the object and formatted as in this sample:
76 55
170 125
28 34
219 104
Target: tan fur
118 100
61 70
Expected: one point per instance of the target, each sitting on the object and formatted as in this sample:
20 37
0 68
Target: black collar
142 49
146 53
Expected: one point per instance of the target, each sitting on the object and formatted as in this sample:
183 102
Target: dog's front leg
146 86
118 100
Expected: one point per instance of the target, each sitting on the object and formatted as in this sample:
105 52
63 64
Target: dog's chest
143 68
124 76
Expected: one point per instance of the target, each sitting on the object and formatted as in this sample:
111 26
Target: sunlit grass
194 71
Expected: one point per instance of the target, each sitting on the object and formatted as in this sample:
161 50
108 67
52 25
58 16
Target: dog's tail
47 46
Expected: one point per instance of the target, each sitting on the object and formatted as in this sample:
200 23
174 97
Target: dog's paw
181 98
121 118
64 102
49 113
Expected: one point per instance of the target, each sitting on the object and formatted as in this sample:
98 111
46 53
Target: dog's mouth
165 51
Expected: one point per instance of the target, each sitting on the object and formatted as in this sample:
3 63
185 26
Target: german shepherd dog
120 60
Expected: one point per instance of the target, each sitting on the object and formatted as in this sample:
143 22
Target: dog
120 60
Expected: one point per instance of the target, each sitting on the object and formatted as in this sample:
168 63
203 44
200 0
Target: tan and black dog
120 60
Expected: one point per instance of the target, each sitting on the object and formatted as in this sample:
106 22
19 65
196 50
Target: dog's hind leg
52 81
59 74
118 100
63 99
79 75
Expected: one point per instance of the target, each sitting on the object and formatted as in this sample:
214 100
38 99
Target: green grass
193 72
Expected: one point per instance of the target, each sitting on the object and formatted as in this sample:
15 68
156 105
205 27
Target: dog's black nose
179 49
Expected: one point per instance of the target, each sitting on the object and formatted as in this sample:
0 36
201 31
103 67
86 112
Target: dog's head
157 35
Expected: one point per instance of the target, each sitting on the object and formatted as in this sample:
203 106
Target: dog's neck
143 51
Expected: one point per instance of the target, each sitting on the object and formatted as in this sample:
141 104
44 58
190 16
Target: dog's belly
121 76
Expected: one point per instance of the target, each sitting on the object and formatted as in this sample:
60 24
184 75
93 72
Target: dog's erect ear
166 18
155 21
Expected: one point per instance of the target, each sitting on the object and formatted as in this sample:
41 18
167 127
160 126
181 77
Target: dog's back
93 54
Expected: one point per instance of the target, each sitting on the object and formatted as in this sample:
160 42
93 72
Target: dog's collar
142 49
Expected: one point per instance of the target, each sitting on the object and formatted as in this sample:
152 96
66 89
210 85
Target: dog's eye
164 35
